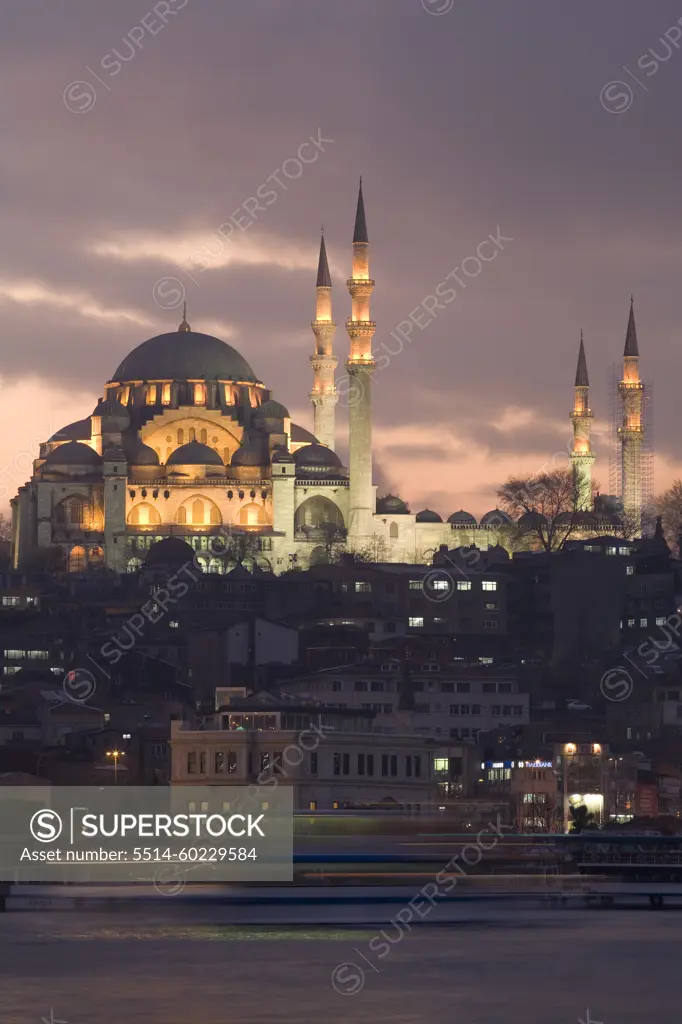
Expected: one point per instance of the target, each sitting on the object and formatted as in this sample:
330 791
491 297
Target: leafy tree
581 818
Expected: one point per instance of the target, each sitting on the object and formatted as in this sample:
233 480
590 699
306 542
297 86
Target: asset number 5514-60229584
194 854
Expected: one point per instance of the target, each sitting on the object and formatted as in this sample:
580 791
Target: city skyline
104 201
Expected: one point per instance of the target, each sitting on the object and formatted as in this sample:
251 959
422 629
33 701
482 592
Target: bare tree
669 506
551 502
375 550
5 528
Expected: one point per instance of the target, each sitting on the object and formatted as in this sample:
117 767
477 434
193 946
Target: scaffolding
633 461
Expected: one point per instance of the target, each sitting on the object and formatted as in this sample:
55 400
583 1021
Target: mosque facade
188 442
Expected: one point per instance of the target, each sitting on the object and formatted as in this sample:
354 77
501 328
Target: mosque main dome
184 355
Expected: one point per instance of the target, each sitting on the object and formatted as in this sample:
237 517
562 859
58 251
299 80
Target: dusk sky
465 120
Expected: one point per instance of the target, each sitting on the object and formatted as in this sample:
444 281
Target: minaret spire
631 431
324 395
360 366
184 326
582 457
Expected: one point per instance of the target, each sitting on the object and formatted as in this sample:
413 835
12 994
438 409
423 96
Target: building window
337 764
362 587
312 806
417 766
370 764
488 585
313 763
345 765
408 766
192 763
200 394
9 602
151 394
337 686
415 585
219 767
384 765
629 570
661 620
463 687
415 621
264 761
447 687
361 686
454 709
490 623
166 394
464 584
631 623
394 766
377 686
644 622
361 764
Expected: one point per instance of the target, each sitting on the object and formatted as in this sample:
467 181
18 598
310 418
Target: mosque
187 442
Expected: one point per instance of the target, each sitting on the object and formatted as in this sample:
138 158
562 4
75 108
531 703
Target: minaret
360 366
631 432
582 457
324 396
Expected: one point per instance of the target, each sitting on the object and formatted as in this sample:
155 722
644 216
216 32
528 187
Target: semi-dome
251 452
73 453
427 515
392 505
299 435
80 430
140 454
194 453
273 410
495 518
184 355
317 458
462 518
531 520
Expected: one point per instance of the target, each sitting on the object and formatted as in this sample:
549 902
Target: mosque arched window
393 531
151 394
316 512
182 516
215 515
166 394
144 514
200 394
198 512
192 434
252 515
77 559
181 436
203 437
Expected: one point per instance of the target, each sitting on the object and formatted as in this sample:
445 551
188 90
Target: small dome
462 518
495 518
317 458
170 551
140 454
194 454
114 454
73 453
530 520
427 515
281 454
299 435
78 431
392 505
112 409
273 410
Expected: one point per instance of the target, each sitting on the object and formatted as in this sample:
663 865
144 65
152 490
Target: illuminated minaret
324 396
631 431
582 457
360 366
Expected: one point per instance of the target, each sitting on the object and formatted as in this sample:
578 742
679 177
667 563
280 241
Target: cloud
37 293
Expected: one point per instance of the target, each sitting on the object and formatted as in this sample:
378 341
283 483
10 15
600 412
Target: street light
115 754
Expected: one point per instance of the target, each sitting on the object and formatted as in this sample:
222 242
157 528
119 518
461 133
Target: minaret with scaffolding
632 452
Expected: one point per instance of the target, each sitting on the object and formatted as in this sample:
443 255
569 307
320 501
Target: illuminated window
254 397
192 434
488 585
200 394
415 585
644 622
440 764
660 620
362 587
124 396
611 551
629 570
415 621
631 623
182 516
77 559
10 602
312 806
198 512
440 585
151 394
215 515
203 437
181 436
166 394
464 584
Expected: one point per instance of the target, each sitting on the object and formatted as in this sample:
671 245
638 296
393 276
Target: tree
551 502
375 550
669 506
236 548
5 528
